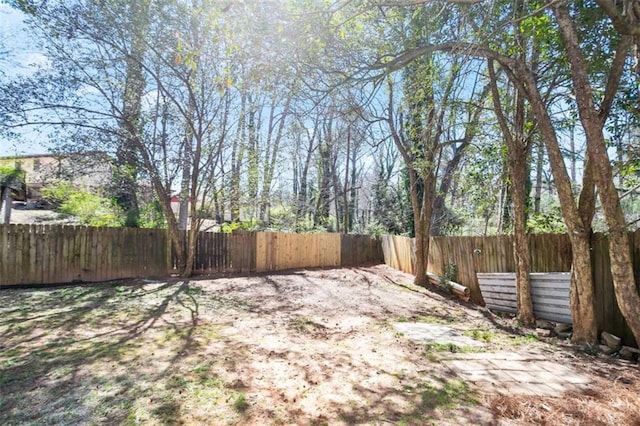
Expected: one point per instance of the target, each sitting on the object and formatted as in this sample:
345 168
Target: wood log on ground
458 289
629 353
606 349
562 328
544 332
614 342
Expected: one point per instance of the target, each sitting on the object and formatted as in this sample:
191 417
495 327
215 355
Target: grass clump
448 395
498 339
306 325
428 319
449 347
524 339
241 404
442 394
487 336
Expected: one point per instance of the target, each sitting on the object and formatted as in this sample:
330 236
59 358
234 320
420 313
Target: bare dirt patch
21 215
305 347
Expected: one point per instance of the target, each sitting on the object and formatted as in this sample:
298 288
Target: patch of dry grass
612 403
117 354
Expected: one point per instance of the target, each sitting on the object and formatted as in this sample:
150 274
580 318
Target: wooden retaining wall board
549 291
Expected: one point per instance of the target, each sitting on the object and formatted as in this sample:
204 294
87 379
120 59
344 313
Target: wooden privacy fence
219 252
288 251
278 251
549 253
42 254
470 255
52 254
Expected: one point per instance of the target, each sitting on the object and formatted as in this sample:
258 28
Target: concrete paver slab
507 365
494 356
504 373
434 333
517 377
522 376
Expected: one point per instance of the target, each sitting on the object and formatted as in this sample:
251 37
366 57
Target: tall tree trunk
323 202
347 218
253 156
5 204
538 185
271 155
164 196
187 168
337 191
302 199
572 147
438 219
522 255
505 219
517 158
126 170
163 193
582 288
353 192
593 121
237 155
423 228
447 180
421 235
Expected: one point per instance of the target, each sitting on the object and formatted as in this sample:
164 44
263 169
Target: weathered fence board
398 252
243 251
360 250
607 310
549 293
469 255
48 254
280 251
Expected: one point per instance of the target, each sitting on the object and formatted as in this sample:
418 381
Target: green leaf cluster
546 223
11 175
91 209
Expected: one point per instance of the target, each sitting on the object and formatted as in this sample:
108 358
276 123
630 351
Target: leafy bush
89 208
248 225
229 227
375 229
11 175
546 223
282 218
151 215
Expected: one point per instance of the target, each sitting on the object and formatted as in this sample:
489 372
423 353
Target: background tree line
418 118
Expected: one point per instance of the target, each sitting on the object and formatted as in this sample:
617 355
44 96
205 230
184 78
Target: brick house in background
86 171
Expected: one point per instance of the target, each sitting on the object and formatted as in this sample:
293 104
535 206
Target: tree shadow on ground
190 351
48 358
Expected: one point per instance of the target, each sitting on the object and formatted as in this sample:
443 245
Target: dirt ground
21 215
305 347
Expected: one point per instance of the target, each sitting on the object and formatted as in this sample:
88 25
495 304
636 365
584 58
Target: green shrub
90 209
152 216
